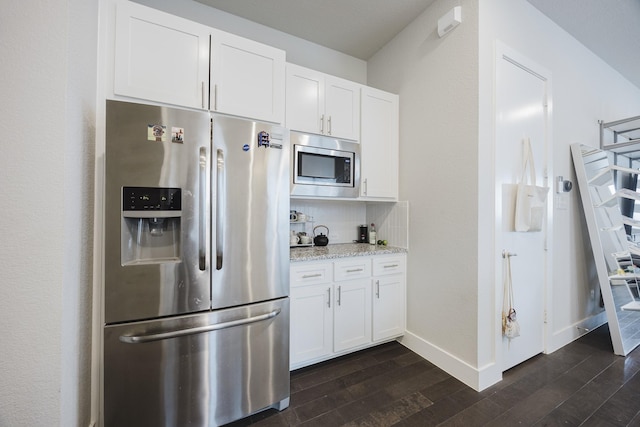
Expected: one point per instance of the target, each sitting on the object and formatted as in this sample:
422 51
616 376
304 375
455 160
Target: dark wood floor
583 383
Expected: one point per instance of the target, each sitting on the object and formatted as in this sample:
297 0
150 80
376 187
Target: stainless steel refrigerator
196 267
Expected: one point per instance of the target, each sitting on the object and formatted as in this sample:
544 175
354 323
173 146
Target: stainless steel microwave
324 166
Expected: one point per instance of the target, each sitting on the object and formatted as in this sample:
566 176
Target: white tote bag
531 200
510 325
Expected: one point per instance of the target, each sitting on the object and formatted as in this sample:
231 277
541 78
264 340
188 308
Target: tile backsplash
342 218
392 222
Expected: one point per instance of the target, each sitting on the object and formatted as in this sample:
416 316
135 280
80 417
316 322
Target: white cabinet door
342 108
160 57
379 145
352 314
247 78
311 323
304 99
388 306
322 104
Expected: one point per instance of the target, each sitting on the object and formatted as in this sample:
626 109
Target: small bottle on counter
372 234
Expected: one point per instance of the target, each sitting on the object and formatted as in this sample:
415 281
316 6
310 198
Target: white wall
299 51
48 60
436 79
446 140
82 18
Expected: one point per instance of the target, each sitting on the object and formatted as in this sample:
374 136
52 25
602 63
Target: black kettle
320 240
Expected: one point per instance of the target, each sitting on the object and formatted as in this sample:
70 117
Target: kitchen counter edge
341 250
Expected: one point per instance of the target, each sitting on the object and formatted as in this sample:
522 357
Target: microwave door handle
202 214
220 206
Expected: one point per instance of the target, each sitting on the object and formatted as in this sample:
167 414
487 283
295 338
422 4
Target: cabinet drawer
310 274
353 268
388 265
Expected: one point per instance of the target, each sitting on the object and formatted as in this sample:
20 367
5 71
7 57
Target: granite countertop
341 250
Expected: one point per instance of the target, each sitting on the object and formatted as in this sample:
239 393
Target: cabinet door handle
329 297
202 93
355 270
215 97
309 276
390 266
378 289
329 126
339 295
365 186
322 123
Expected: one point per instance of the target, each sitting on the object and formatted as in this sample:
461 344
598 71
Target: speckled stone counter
341 250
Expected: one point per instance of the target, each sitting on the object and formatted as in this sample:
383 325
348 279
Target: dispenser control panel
151 199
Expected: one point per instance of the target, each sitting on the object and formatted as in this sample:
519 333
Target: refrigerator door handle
202 217
220 200
141 339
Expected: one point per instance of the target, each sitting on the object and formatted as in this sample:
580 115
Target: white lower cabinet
388 307
311 323
389 281
345 305
352 314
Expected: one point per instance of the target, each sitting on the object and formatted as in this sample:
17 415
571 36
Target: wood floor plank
582 384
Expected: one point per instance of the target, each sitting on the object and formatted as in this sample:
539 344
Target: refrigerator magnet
177 135
156 132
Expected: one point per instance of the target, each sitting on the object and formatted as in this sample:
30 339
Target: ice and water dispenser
151 218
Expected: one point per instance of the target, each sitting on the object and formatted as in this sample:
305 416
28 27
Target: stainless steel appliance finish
196 267
252 204
135 157
197 378
324 167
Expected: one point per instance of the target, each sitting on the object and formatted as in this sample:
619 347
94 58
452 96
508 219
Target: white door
342 108
311 322
522 90
248 78
160 57
304 99
388 306
352 314
379 144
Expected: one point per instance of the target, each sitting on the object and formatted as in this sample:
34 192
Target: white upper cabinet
160 57
379 145
170 60
247 78
322 104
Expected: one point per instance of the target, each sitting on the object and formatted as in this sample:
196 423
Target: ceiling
361 27
356 27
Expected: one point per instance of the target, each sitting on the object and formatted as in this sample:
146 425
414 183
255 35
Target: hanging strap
507 300
527 161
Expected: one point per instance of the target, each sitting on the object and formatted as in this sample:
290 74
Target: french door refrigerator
196 267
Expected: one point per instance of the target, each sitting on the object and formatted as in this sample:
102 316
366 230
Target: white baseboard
559 339
478 379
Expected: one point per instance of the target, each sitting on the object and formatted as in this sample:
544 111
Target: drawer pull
378 289
309 276
329 297
355 270
391 266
